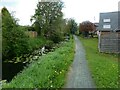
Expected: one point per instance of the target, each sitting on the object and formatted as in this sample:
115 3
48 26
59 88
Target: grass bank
104 67
48 71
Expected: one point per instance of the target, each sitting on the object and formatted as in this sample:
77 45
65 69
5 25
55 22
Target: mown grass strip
104 67
47 72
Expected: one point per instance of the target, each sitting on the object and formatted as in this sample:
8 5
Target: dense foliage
48 22
1 44
14 41
72 26
48 19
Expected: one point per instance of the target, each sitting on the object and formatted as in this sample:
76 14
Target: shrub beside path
79 75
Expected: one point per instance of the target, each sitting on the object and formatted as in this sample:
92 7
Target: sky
80 10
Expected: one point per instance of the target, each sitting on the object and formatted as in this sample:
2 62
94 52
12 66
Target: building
96 25
109 28
108 21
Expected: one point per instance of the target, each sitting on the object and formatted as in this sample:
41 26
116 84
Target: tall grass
38 42
47 72
103 66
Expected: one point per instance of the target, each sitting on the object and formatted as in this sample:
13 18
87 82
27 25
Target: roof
109 12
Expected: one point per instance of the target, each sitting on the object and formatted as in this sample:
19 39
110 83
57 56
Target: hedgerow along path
79 75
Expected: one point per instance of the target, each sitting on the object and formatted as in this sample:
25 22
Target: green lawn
47 72
104 67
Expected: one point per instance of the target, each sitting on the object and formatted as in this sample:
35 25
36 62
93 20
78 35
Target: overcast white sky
80 10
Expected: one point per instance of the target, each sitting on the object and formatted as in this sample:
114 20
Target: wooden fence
109 42
32 33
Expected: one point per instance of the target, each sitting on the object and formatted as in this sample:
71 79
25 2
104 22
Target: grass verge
104 67
47 72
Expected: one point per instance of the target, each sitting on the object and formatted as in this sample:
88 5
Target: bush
39 42
15 43
14 40
56 37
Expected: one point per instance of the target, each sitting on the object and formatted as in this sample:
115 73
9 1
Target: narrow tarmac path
79 75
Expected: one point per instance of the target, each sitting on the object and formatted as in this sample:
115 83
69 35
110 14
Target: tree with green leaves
72 26
48 18
14 40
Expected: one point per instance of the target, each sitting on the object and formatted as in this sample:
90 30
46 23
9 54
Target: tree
14 41
86 27
48 18
72 26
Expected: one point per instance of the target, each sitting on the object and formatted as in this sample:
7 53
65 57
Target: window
106 20
106 26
